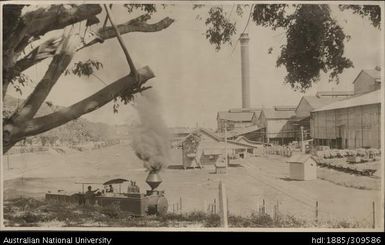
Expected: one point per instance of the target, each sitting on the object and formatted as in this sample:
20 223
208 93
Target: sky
193 80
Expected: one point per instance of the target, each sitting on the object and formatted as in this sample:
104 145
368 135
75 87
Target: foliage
112 211
123 98
84 68
17 212
314 40
149 8
372 12
271 15
20 81
198 6
220 29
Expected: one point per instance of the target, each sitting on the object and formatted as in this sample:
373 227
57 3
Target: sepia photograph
192 116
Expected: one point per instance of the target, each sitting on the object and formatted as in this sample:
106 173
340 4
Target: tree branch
43 20
122 45
57 66
47 49
36 23
93 102
136 25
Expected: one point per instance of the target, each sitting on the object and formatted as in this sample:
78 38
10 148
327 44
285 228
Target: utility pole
302 143
226 158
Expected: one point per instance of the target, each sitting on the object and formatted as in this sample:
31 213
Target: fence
278 150
176 207
315 213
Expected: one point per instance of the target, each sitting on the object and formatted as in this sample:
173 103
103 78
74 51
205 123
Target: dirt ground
248 182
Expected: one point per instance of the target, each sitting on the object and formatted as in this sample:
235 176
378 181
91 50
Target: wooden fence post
263 207
374 215
223 205
277 210
316 211
227 202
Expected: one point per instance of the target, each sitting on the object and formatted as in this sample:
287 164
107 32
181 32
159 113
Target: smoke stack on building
244 40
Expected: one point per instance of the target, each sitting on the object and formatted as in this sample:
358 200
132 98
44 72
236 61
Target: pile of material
341 164
353 156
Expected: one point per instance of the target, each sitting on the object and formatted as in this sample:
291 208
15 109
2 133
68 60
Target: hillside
76 131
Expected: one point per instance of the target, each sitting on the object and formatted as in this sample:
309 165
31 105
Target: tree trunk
16 131
34 25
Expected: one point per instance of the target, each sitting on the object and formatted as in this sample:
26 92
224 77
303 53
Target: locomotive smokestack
244 40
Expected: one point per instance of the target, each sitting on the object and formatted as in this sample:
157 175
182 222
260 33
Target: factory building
275 126
235 119
202 147
306 105
367 80
353 122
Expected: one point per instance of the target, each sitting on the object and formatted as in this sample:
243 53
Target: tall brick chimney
244 40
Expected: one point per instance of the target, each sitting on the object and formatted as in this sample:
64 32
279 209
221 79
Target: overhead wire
244 29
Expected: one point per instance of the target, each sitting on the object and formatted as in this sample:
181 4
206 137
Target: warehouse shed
350 123
275 125
367 80
235 119
204 147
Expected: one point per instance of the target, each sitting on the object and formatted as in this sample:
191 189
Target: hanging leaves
148 8
314 40
372 12
271 15
84 68
220 29
20 81
315 43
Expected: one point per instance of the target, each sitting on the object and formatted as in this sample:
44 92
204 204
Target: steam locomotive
153 202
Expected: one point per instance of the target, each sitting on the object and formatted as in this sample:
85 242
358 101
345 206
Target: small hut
302 167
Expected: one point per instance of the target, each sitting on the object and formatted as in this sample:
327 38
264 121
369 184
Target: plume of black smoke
151 140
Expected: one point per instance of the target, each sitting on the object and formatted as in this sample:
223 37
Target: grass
29 212
348 180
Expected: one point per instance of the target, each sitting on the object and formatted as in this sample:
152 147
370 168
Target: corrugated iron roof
239 115
334 93
317 102
236 116
207 132
241 131
255 143
276 128
374 73
245 109
271 113
241 144
284 108
373 97
299 158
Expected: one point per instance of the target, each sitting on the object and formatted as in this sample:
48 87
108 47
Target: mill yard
253 184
